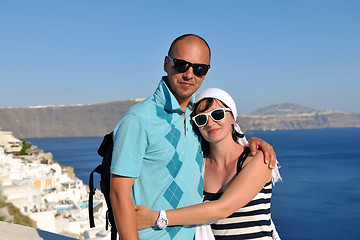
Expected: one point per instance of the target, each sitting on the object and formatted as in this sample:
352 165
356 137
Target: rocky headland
294 116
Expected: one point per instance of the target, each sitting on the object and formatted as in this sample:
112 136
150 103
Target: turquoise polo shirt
155 143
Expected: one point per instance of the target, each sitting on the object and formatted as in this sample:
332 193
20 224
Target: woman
237 186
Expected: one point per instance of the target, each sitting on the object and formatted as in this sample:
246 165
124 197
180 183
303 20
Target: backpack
105 151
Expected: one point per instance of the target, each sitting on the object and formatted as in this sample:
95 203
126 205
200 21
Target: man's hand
269 154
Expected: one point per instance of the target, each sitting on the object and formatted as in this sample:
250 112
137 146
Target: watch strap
162 221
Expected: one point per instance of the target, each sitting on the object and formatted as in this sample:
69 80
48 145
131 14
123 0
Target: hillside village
49 194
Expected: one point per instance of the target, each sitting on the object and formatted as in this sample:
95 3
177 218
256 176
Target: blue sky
263 52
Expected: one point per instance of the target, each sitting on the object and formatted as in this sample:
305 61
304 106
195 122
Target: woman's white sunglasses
216 115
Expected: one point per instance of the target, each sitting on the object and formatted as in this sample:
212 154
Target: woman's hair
208 103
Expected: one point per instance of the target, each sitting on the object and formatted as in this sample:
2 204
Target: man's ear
166 60
204 77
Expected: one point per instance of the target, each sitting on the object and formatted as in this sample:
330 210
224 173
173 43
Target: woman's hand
267 149
145 217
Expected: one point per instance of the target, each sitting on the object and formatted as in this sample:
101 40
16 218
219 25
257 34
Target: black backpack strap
91 195
105 151
106 144
113 232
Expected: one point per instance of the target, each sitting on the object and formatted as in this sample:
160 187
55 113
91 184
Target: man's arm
267 149
123 207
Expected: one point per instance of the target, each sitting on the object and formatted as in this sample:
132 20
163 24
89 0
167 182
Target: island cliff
99 119
63 121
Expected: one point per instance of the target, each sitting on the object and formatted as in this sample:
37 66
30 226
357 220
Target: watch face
162 223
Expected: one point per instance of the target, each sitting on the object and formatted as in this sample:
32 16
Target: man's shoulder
148 108
141 108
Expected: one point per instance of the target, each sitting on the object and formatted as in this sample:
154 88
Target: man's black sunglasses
182 66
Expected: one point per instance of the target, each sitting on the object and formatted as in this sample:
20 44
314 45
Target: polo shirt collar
165 97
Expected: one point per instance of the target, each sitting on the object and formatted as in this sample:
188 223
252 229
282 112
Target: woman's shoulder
257 163
258 158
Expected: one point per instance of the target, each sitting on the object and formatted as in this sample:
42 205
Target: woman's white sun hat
229 101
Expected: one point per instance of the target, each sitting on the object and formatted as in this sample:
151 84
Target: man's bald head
190 39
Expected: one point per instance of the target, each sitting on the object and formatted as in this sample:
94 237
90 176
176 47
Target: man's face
184 85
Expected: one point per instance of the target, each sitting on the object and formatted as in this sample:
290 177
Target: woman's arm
251 179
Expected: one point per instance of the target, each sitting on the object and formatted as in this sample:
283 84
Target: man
157 158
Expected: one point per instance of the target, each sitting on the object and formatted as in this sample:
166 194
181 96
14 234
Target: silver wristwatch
162 221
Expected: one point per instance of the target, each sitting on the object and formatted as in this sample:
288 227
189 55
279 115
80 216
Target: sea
319 197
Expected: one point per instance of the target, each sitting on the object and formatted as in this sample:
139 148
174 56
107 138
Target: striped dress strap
241 159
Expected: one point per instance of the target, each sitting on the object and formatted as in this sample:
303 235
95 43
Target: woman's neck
225 151
220 165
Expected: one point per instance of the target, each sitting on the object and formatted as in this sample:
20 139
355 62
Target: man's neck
182 101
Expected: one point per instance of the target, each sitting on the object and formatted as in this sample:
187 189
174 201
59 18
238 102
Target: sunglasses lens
200 120
181 66
218 115
200 69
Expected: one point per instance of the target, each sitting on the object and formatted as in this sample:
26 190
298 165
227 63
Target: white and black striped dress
252 221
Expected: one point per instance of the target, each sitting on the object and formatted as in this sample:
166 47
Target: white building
9 142
55 201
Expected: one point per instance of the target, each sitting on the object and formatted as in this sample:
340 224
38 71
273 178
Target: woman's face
215 131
